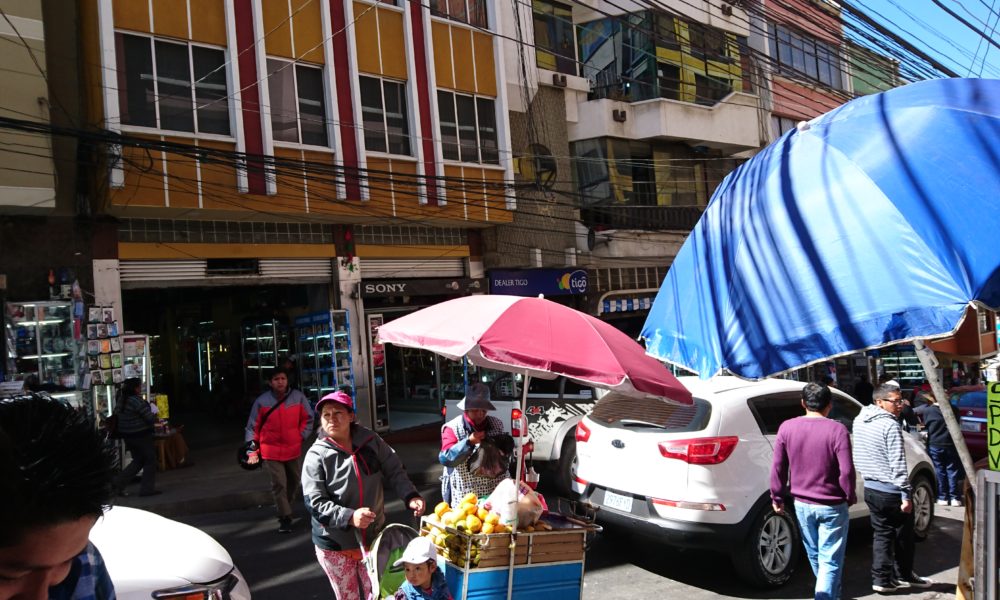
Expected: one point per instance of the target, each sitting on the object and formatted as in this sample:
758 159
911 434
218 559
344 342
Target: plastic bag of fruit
517 503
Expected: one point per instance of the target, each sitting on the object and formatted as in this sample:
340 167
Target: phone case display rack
265 343
323 343
45 345
105 360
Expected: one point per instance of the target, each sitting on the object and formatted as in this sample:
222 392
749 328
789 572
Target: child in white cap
424 580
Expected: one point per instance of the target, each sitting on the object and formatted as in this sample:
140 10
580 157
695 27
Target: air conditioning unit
619 115
559 80
727 10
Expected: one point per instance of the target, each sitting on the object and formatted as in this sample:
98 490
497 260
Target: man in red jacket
279 422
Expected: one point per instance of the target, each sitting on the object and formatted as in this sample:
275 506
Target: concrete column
108 287
348 280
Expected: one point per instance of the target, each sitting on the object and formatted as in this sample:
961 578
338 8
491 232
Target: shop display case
136 361
46 352
323 344
265 343
902 364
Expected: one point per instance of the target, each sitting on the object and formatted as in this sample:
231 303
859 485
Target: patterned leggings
345 570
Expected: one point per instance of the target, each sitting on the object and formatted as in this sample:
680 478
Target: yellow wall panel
208 22
390 23
496 196
321 184
379 188
308 26
290 183
131 14
486 72
182 177
141 188
465 77
218 181
366 36
451 187
90 51
170 18
279 35
442 55
404 185
475 194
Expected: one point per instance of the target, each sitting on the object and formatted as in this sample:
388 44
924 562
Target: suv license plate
617 501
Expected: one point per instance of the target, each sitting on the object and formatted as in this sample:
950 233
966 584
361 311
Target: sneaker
885 589
285 525
942 502
957 502
916 581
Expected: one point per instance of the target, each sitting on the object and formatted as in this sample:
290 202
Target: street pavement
619 566
234 506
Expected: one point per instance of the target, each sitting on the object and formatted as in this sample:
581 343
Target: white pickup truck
554 407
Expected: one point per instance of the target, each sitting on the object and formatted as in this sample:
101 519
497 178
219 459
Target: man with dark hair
812 464
55 481
879 454
280 420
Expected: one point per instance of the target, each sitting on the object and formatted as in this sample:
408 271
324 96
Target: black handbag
247 448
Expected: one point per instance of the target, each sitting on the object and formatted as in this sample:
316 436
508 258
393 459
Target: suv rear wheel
923 506
566 469
771 551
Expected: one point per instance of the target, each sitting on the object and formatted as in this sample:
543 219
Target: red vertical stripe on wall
345 99
424 99
252 134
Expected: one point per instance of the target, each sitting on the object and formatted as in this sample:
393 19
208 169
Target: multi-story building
282 158
660 104
806 68
38 183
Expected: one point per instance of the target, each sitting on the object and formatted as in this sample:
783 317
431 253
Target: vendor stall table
171 449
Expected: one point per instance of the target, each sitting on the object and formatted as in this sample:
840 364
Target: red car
969 403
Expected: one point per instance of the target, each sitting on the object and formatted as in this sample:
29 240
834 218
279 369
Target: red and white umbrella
537 337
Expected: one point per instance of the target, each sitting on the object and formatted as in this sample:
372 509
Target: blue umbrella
873 224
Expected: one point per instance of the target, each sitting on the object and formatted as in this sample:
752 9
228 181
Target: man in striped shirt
879 456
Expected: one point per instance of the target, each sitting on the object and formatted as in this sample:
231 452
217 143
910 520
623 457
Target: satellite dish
592 241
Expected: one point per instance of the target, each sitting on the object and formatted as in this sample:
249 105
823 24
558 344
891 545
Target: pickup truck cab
554 407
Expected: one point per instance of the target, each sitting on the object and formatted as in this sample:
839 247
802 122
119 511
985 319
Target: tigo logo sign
574 282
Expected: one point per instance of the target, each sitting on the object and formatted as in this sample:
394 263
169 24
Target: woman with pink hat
342 481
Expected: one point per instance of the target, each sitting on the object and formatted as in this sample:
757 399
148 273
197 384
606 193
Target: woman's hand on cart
417 505
362 517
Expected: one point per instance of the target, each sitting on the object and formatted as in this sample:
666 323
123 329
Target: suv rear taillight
515 422
700 451
582 432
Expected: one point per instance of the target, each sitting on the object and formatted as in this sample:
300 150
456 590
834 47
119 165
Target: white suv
698 476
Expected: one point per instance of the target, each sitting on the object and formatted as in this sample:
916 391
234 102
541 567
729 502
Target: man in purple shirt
812 465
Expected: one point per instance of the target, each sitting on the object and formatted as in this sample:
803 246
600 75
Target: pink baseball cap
338 397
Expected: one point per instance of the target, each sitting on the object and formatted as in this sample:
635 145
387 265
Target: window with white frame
297 102
383 112
468 128
472 12
172 85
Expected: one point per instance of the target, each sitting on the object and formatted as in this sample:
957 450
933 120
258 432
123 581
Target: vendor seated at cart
459 437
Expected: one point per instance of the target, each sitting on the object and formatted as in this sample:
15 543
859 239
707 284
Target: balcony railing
648 218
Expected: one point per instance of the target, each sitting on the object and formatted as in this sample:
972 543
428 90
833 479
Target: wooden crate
555 546
538 547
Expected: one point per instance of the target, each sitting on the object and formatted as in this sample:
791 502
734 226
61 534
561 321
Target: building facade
273 160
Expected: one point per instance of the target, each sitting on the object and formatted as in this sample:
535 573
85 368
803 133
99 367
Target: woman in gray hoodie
342 481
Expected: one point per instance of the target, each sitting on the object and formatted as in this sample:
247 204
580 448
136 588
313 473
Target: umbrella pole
517 481
930 364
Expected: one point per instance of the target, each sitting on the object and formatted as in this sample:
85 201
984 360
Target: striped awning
618 305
